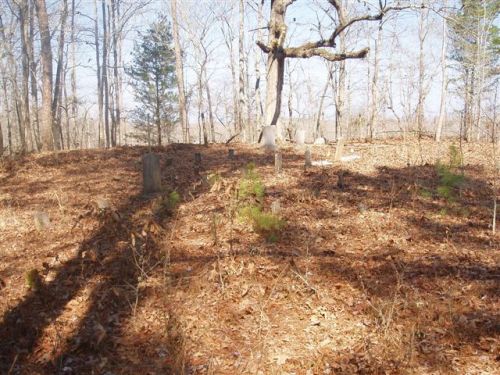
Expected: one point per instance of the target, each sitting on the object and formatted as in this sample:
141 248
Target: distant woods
104 73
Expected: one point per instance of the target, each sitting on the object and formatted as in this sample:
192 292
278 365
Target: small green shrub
167 203
251 185
263 223
425 193
455 157
449 179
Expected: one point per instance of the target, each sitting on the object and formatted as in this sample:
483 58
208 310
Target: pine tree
153 78
475 51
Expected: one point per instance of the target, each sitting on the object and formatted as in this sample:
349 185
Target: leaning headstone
197 159
278 162
276 207
307 162
269 137
41 220
230 154
151 174
300 137
340 149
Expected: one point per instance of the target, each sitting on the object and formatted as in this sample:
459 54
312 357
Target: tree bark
374 89
258 100
243 110
59 74
73 103
25 131
105 73
210 112
100 98
50 139
179 72
422 34
318 132
117 111
11 71
444 83
33 77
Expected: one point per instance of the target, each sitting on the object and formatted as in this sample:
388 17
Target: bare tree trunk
6 106
179 72
73 104
275 65
243 112
374 90
210 112
258 100
66 110
59 74
228 39
34 88
444 83
341 92
318 132
50 138
12 68
25 131
105 73
117 111
99 76
422 34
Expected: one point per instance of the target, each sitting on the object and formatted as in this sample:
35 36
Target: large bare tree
277 51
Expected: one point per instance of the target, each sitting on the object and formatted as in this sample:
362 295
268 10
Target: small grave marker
308 162
268 137
300 137
278 162
151 175
339 150
42 220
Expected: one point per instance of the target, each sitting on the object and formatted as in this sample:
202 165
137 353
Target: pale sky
399 55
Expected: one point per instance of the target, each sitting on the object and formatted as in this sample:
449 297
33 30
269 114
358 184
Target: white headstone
339 150
320 141
300 137
269 137
41 220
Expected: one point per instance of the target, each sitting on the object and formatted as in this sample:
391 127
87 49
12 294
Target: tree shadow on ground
114 266
387 270
106 258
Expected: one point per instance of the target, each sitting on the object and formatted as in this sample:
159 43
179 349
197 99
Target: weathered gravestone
307 162
41 220
151 173
197 159
278 162
300 137
339 150
269 137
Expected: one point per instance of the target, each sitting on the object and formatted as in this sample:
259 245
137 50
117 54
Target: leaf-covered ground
376 273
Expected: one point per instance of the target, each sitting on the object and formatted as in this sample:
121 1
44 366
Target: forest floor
385 272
